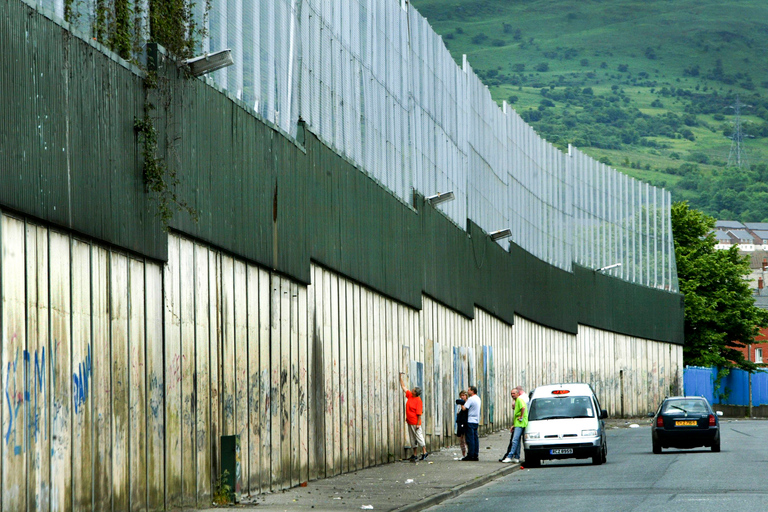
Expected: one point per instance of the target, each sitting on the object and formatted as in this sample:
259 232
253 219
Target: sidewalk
384 487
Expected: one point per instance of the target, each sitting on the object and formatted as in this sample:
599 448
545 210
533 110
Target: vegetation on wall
648 87
121 26
160 180
720 313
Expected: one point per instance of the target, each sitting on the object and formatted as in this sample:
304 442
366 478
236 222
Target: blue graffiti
13 410
33 392
17 399
38 387
80 382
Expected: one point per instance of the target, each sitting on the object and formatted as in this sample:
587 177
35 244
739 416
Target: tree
720 312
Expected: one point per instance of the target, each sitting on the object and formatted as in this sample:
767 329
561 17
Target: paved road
636 480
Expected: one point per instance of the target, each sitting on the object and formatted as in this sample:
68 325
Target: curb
435 499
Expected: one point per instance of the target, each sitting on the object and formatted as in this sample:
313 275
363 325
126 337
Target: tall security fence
372 80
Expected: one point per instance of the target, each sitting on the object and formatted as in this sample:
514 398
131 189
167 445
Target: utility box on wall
230 462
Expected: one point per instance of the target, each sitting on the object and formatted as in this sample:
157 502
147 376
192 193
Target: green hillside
648 87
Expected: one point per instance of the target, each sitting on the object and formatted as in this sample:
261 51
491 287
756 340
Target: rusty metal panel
155 376
172 370
102 379
13 352
203 340
38 370
137 389
187 369
118 300
82 376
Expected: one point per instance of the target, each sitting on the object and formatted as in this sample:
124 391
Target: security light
608 267
498 235
209 62
440 198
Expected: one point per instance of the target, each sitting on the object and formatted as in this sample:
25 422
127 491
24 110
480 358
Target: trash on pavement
409 481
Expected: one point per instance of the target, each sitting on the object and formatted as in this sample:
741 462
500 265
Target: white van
565 421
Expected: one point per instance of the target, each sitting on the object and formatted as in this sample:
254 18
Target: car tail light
660 422
711 420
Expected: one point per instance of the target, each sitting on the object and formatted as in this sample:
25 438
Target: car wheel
656 447
597 458
532 462
716 446
604 455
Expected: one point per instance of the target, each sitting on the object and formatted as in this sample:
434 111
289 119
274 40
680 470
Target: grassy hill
648 87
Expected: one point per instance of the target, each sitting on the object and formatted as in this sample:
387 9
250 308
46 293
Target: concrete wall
120 374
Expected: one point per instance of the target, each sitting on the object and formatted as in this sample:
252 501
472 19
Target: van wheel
532 462
597 459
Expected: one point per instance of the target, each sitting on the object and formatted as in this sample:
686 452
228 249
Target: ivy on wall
120 25
160 180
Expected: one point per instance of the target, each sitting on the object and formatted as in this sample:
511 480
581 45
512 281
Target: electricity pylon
738 155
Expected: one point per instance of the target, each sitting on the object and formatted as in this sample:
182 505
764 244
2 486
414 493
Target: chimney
759 283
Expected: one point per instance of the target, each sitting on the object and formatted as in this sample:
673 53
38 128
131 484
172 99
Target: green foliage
158 178
720 312
223 494
173 26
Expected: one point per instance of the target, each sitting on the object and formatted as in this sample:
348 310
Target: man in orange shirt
413 411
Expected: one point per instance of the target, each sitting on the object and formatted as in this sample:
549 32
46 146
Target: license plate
685 423
561 451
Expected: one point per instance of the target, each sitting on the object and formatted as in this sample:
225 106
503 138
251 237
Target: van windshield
561 408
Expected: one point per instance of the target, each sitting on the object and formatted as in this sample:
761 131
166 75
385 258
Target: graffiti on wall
26 397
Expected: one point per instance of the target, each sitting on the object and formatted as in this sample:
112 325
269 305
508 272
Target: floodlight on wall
608 267
440 198
209 62
498 235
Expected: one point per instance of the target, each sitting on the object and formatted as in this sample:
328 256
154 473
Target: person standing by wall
461 422
472 406
520 422
521 393
414 408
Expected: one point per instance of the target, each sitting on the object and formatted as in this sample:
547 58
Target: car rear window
685 407
561 408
